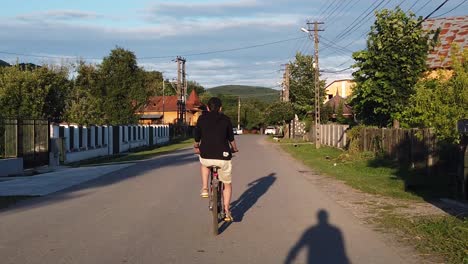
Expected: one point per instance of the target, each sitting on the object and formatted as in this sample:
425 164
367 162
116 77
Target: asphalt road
152 213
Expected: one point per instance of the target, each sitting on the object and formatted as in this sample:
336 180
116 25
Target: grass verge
137 154
444 236
354 171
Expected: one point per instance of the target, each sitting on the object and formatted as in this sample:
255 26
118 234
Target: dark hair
214 104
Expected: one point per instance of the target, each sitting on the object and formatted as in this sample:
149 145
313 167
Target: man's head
214 104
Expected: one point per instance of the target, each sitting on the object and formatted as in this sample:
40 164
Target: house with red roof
453 31
163 110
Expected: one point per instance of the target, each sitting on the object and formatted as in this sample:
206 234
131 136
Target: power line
361 22
413 5
457 6
343 10
423 6
225 50
328 7
435 10
157 57
333 11
336 71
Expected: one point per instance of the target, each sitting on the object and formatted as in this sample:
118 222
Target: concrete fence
80 142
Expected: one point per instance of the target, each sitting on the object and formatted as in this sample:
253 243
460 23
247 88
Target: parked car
240 131
270 130
237 131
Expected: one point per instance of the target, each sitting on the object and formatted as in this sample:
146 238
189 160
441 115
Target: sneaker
204 193
228 217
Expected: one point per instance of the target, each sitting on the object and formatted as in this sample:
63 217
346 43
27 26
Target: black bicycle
215 201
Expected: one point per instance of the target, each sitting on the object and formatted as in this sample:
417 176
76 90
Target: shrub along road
152 213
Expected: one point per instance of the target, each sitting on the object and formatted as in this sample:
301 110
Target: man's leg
227 193
205 173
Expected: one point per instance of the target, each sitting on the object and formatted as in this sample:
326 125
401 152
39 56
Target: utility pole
180 90
238 113
286 84
316 79
163 99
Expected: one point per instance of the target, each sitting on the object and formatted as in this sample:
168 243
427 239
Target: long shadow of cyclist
256 189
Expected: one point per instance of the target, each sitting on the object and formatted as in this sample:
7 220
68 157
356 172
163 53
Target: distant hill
4 64
23 66
246 92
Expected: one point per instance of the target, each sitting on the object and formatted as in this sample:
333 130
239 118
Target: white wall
126 141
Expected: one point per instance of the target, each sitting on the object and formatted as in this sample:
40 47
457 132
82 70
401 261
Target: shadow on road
256 189
175 158
324 243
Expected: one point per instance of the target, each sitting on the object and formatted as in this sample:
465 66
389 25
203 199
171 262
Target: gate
26 138
115 139
151 136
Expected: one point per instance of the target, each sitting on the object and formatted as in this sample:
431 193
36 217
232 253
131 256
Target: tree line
394 86
106 93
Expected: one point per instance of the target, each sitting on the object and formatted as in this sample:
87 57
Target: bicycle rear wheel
214 211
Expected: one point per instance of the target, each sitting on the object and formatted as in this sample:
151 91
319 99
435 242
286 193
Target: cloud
232 9
217 9
63 15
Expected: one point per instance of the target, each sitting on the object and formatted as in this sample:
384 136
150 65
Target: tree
123 87
252 113
439 103
193 85
38 92
153 81
389 68
302 90
86 101
278 113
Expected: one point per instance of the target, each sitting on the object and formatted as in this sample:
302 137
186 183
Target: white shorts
224 173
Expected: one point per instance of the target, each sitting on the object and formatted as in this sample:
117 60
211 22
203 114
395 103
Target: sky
245 42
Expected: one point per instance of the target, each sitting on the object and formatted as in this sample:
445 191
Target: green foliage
252 113
85 104
123 87
263 94
193 85
301 85
279 113
153 82
439 103
34 93
113 91
252 110
326 113
389 68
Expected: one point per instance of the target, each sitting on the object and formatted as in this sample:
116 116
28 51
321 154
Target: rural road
152 213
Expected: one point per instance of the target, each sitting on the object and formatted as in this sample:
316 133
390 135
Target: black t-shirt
214 130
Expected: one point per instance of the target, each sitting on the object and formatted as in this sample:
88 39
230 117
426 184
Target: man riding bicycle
214 141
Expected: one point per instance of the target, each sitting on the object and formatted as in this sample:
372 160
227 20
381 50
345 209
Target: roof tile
453 30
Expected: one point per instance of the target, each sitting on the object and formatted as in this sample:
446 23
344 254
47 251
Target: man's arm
197 138
234 146
231 138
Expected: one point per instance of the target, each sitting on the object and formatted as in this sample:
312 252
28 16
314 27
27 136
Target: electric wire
457 6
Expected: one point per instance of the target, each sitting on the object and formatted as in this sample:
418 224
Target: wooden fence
333 135
415 150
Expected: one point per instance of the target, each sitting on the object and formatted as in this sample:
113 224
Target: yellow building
163 110
343 88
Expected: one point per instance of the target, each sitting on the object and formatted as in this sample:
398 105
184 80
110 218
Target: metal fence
26 138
